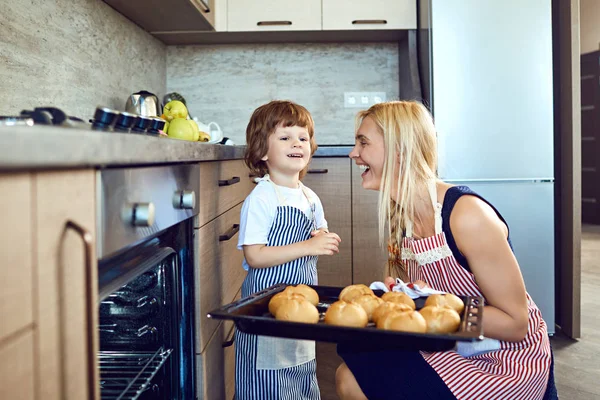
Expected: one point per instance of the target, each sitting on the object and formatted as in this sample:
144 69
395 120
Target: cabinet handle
200 5
318 171
228 182
90 288
273 23
369 22
230 233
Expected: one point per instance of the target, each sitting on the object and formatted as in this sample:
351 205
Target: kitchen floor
577 362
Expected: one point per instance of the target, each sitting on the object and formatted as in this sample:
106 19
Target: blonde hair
409 136
263 123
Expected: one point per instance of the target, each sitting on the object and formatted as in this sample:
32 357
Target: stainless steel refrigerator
491 95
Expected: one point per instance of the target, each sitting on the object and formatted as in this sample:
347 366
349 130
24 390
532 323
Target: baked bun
305 290
387 307
400 298
349 293
446 300
440 319
404 321
297 309
369 303
342 313
280 298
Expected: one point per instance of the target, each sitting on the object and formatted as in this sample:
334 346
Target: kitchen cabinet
273 15
329 178
377 14
48 342
172 15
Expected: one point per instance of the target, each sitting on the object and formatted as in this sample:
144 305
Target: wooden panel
333 188
151 15
216 367
219 271
61 338
327 363
243 15
16 368
369 256
16 247
397 14
215 199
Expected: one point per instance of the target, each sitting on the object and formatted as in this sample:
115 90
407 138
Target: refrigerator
491 95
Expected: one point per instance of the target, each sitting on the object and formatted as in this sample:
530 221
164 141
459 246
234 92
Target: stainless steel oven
145 275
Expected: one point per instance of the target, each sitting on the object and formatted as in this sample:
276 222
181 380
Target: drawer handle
228 182
369 21
318 171
230 233
273 23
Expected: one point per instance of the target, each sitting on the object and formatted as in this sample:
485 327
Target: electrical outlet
362 99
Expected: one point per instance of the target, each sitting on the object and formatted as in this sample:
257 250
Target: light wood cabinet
273 15
16 367
329 178
16 244
376 14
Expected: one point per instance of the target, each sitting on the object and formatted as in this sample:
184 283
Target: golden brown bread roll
349 293
369 302
305 290
280 298
386 307
297 309
440 319
399 298
404 321
446 300
342 313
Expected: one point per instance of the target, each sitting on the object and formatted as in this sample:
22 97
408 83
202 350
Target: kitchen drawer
223 184
16 368
216 367
16 247
379 14
219 270
274 15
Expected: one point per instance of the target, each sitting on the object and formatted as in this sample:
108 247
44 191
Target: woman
455 241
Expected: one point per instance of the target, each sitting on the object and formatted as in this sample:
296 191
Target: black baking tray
251 315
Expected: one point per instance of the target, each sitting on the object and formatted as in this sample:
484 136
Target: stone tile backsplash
225 83
75 55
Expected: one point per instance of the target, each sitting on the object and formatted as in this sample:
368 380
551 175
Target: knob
184 200
140 214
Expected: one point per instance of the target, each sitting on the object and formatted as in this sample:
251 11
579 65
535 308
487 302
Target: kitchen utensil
213 129
143 103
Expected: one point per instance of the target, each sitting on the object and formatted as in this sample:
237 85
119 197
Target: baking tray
251 315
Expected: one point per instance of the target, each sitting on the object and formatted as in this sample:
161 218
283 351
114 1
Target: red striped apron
519 370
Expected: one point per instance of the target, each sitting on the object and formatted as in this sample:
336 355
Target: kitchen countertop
49 147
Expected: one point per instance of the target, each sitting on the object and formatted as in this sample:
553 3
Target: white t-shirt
260 208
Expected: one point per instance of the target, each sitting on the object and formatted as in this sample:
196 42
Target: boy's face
289 150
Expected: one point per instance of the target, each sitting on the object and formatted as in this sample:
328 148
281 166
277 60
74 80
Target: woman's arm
263 256
482 238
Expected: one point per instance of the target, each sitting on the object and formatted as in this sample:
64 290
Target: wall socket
362 99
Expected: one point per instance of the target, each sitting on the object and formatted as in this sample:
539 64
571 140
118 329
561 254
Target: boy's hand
319 232
323 243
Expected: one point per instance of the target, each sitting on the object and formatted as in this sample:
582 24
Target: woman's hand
389 282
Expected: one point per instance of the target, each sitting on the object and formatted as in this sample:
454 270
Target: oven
145 281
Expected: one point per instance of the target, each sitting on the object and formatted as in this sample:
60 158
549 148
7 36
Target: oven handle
122 270
88 243
229 342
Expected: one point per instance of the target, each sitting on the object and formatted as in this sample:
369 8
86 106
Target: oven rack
126 375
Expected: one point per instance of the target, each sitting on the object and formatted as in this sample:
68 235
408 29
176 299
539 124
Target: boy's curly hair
263 122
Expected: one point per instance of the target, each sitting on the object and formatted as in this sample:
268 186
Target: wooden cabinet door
65 215
273 15
16 247
375 14
16 367
369 257
329 178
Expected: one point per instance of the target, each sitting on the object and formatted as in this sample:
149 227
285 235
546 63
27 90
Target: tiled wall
75 55
225 83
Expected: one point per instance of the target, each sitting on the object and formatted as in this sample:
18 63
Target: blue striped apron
275 368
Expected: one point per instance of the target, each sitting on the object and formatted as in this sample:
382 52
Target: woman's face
369 153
